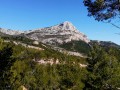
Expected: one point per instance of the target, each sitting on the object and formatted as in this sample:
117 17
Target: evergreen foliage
19 68
77 46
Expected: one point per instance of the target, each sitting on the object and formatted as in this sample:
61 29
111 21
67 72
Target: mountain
62 36
105 43
75 61
58 34
10 32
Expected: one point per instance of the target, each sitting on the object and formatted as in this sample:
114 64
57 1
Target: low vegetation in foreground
21 67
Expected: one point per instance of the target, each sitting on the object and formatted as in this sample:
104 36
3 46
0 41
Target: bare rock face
36 43
58 34
10 32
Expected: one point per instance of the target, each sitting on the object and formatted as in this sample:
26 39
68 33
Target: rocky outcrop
25 45
58 34
10 32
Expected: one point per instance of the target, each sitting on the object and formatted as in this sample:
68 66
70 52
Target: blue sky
32 14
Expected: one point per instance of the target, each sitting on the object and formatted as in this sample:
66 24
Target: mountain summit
67 26
58 34
54 35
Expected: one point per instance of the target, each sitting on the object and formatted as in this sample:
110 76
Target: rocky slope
10 32
58 34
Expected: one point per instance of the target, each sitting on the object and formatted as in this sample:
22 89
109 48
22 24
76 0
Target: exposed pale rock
25 45
10 32
58 34
48 61
83 65
52 62
61 33
36 42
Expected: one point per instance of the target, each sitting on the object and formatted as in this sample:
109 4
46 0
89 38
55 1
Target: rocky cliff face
58 34
10 32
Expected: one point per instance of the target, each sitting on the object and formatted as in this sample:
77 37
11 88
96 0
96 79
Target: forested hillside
19 67
77 46
48 69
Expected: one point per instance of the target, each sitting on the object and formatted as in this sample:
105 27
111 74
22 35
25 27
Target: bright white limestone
61 33
10 32
58 34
